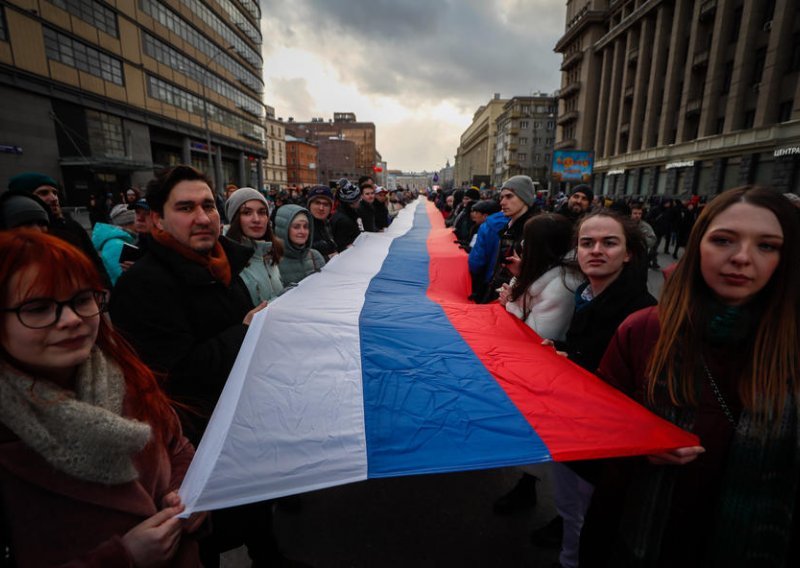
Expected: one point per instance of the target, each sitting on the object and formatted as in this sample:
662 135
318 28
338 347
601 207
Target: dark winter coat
367 213
381 215
346 225
323 238
185 324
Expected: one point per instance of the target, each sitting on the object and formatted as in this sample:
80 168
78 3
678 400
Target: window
720 127
785 111
522 156
523 124
231 37
523 141
794 59
550 125
241 22
92 12
3 29
749 118
106 135
727 77
536 124
68 51
758 65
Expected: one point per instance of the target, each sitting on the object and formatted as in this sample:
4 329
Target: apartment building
475 156
275 175
344 126
682 97
101 93
526 133
301 162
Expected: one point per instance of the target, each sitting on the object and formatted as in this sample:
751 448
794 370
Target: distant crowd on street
116 345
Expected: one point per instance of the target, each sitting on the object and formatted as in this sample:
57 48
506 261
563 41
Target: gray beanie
522 186
121 215
240 197
18 210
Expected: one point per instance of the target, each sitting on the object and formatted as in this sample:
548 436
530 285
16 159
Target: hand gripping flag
379 366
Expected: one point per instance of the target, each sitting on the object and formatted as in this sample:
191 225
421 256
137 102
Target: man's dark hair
362 179
159 188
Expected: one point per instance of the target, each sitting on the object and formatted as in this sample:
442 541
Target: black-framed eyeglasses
39 313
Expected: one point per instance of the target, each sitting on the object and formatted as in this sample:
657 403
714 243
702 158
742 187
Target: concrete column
691 178
784 173
718 56
642 84
741 83
219 180
615 97
675 73
769 94
747 168
260 173
244 179
717 177
655 89
636 175
652 183
186 150
602 113
672 182
690 77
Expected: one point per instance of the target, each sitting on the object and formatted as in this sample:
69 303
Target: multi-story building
337 158
99 94
526 133
345 126
682 96
475 154
301 161
275 165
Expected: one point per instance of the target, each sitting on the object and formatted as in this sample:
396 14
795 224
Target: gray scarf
81 433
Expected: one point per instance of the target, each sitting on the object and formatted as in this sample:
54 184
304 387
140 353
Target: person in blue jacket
484 252
109 239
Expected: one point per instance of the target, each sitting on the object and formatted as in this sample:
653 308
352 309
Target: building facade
475 155
99 94
336 160
679 97
301 162
344 126
275 175
526 133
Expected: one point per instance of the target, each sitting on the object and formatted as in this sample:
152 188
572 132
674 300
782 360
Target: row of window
106 134
175 23
252 7
240 20
175 96
92 12
68 51
167 55
218 25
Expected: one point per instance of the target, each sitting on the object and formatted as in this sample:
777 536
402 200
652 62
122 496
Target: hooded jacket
261 276
108 240
297 262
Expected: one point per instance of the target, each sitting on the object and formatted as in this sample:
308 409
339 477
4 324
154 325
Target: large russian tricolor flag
379 366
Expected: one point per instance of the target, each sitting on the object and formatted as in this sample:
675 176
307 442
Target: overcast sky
418 69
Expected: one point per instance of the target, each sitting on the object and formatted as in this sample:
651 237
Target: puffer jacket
297 262
108 240
261 276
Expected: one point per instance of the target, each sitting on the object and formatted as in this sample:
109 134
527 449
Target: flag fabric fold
379 366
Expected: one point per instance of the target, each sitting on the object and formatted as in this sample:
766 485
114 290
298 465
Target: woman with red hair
91 452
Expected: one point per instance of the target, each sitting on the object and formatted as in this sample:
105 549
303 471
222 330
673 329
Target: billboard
572 165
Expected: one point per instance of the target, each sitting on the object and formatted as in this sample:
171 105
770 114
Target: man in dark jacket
185 310
346 223
366 209
320 203
46 188
381 208
516 202
578 203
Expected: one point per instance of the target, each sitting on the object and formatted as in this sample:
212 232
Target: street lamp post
211 169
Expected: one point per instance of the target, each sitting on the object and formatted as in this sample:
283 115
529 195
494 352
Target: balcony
693 107
700 59
572 60
629 92
567 117
512 146
571 89
707 10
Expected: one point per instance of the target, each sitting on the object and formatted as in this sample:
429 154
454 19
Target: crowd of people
718 356
99 413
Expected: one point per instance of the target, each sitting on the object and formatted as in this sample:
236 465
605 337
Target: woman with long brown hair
91 452
719 357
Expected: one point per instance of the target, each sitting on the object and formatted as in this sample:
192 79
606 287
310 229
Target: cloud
291 96
419 53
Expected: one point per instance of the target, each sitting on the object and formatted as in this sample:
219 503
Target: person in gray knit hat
110 239
240 196
522 187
